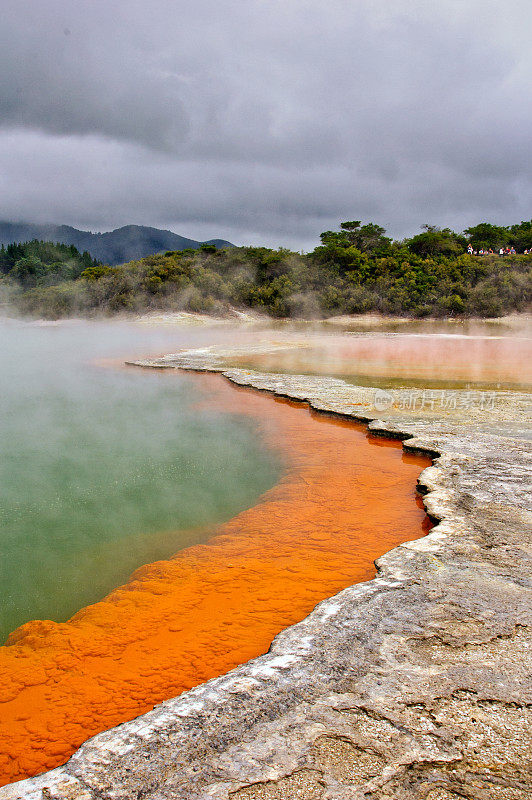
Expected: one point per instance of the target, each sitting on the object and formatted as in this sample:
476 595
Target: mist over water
103 469
431 354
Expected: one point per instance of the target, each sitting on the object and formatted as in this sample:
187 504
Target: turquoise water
103 470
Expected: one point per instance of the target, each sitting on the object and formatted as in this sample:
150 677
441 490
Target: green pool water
104 470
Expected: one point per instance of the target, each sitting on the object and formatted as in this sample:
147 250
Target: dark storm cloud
267 121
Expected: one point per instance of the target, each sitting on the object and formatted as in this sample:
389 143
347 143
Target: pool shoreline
440 632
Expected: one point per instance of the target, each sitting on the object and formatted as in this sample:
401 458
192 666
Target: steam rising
104 470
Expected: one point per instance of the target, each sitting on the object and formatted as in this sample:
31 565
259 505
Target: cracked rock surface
417 684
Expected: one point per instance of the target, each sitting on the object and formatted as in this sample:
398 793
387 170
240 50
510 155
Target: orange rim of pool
344 499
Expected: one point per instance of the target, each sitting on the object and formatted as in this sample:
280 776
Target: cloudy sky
265 121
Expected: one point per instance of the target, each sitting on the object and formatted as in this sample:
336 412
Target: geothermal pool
448 357
246 510
103 469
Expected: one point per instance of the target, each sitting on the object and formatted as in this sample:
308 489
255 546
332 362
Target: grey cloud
265 120
78 68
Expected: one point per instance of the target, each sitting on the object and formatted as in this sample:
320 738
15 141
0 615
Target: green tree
485 236
28 270
436 241
366 238
520 236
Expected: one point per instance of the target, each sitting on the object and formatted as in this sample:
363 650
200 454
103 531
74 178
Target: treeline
357 269
39 263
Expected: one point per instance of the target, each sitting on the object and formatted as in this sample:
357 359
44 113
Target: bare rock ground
416 685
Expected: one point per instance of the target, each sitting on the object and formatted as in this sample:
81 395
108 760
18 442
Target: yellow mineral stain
343 501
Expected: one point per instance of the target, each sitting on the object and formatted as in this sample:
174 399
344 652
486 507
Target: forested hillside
113 247
356 269
37 263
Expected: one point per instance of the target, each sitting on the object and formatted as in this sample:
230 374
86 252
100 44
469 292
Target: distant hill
116 247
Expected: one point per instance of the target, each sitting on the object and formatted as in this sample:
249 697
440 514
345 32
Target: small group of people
503 251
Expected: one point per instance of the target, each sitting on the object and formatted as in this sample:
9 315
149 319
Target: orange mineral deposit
344 500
